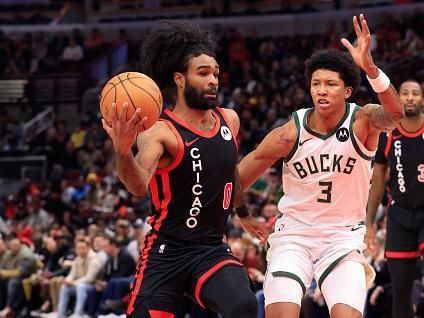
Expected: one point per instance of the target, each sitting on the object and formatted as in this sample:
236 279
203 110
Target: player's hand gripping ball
138 90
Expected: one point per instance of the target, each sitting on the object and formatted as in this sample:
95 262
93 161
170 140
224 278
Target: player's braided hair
169 46
336 61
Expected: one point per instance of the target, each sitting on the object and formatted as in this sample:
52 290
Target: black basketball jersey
404 154
192 198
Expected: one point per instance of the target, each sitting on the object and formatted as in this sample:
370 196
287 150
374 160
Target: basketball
138 90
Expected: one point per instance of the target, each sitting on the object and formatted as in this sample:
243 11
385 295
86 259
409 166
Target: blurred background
58 185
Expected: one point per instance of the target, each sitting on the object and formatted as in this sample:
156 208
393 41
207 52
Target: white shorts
305 253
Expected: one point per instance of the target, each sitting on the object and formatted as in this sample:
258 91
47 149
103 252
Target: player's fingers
140 126
347 45
263 239
136 117
264 231
123 113
106 126
357 27
364 23
367 41
113 114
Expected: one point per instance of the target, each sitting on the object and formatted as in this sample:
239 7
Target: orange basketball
138 90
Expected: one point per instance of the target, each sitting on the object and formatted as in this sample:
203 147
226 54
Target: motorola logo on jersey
197 188
226 133
342 134
399 167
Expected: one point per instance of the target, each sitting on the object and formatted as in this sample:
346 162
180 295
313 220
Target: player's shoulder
159 131
366 110
230 113
287 131
232 117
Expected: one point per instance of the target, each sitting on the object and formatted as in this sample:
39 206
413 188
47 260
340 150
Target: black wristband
242 211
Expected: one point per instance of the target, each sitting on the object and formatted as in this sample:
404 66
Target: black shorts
405 232
167 270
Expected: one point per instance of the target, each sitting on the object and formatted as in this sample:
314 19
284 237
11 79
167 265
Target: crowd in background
76 235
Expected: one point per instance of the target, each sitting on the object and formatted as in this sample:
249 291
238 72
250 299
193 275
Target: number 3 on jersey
326 191
228 191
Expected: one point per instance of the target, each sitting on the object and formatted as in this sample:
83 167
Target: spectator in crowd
72 52
94 43
37 216
117 276
83 272
135 246
55 252
17 263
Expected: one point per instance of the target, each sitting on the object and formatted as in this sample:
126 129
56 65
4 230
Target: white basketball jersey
326 178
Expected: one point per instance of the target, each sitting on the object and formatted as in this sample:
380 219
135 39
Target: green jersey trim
292 276
330 133
354 142
296 144
330 268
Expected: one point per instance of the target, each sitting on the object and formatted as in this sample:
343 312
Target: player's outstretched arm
134 172
386 116
276 145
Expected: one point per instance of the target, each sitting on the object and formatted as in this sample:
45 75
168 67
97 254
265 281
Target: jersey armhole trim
227 121
180 152
361 152
296 143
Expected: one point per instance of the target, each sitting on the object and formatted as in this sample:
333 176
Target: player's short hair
411 80
336 61
169 46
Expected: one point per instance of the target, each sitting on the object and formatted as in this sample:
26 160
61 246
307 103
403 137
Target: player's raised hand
124 132
361 54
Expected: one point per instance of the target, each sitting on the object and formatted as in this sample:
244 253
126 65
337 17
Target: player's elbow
140 192
397 112
391 120
397 116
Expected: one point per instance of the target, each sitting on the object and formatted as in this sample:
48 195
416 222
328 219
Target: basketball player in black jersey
188 162
401 151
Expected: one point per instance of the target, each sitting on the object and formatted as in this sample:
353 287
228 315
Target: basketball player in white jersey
327 151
